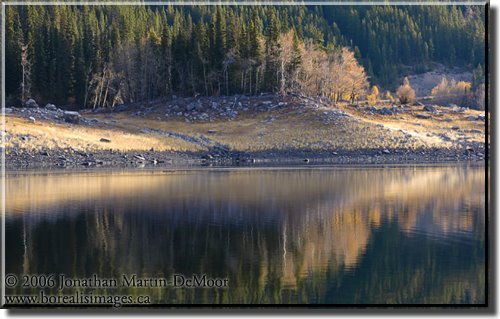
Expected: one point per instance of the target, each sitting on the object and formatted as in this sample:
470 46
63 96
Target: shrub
447 92
389 96
373 97
405 92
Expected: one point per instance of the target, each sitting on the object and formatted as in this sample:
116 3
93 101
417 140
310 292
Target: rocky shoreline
73 159
213 152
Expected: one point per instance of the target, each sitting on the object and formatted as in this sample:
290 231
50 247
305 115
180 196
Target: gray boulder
121 108
429 108
72 117
199 107
423 116
191 106
385 111
31 103
51 107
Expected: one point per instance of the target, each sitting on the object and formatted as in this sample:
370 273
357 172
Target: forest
103 56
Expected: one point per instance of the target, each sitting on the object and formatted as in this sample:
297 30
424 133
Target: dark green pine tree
272 52
225 49
13 39
219 47
477 77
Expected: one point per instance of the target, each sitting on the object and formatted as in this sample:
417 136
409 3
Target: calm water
356 236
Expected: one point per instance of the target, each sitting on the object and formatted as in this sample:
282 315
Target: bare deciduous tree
26 74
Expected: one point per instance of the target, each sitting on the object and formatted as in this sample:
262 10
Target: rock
31 103
385 111
121 108
44 153
51 107
471 118
105 140
191 106
72 117
139 157
448 120
211 131
429 108
199 107
445 137
24 138
418 104
334 153
455 128
423 116
386 152
458 110
8 110
31 119
452 105
476 131
216 105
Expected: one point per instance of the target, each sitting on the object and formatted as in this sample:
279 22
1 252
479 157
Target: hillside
70 54
229 130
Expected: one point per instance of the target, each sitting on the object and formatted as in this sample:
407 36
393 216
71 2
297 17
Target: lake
348 235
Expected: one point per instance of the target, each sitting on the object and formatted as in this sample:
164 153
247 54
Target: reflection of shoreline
27 192
288 226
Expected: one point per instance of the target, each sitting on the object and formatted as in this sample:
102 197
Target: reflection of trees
341 235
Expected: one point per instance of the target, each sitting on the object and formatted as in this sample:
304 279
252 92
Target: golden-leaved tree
405 92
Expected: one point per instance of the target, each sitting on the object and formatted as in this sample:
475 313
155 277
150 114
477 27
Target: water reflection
364 235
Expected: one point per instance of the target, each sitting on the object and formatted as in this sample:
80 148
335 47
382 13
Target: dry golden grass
429 130
50 135
291 129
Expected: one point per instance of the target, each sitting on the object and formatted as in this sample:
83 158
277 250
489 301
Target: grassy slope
292 128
